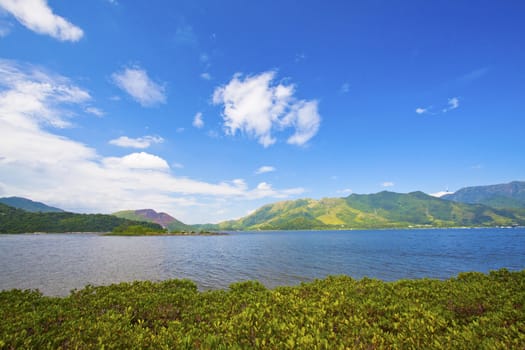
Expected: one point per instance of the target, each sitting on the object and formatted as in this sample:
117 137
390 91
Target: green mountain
510 195
29 205
14 220
380 210
150 215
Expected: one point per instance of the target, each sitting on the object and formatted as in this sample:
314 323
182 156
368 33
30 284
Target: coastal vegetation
471 311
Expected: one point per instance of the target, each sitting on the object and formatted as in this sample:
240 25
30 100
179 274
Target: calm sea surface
57 263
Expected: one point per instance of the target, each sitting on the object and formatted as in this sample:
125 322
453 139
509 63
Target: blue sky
209 109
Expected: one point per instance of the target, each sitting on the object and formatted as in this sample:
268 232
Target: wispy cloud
265 169
258 107
198 122
387 184
473 75
453 103
206 76
136 82
37 16
5 27
345 88
95 111
139 142
300 57
345 191
184 34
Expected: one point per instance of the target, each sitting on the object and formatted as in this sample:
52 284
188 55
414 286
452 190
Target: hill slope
510 195
14 220
29 205
150 215
380 210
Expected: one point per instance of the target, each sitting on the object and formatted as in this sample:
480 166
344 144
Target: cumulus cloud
387 184
141 160
139 142
136 82
37 16
265 169
197 120
37 163
258 107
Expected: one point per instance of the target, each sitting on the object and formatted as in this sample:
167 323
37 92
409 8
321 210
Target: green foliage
472 311
136 230
14 220
380 210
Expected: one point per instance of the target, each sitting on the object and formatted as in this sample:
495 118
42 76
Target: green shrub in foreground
472 311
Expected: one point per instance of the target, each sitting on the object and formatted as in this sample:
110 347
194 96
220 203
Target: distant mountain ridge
509 195
379 210
29 205
150 215
14 220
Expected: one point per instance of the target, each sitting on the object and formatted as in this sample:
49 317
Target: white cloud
305 119
387 184
206 76
257 107
345 191
41 165
265 169
136 82
95 111
141 160
440 194
37 16
453 103
139 142
420 110
197 121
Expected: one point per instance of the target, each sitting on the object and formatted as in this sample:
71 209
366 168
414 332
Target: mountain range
379 210
510 195
495 205
29 205
150 215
